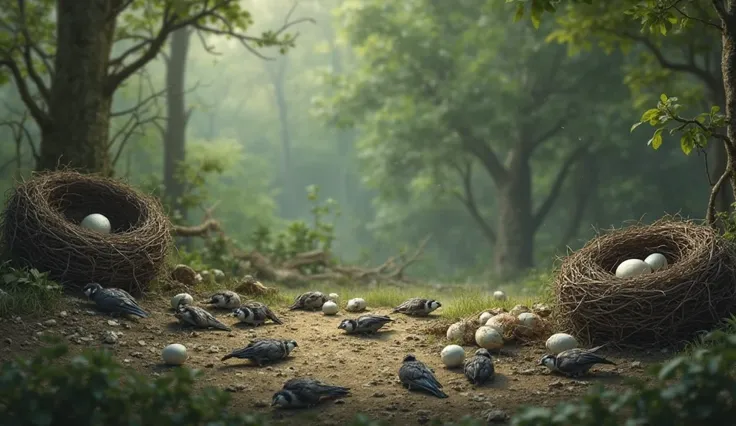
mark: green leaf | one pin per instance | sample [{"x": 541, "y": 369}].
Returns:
[
  {"x": 656, "y": 140},
  {"x": 715, "y": 109},
  {"x": 649, "y": 114},
  {"x": 663, "y": 97},
  {"x": 635, "y": 126},
  {"x": 519, "y": 12},
  {"x": 687, "y": 144}
]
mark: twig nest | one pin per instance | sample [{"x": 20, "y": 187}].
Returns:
[
  {"x": 496, "y": 311},
  {"x": 181, "y": 298},
  {"x": 632, "y": 268},
  {"x": 334, "y": 297},
  {"x": 529, "y": 324},
  {"x": 329, "y": 308},
  {"x": 504, "y": 323},
  {"x": 656, "y": 261},
  {"x": 499, "y": 295},
  {"x": 542, "y": 310},
  {"x": 97, "y": 222},
  {"x": 174, "y": 354},
  {"x": 488, "y": 338},
  {"x": 184, "y": 274},
  {"x": 219, "y": 275},
  {"x": 452, "y": 356},
  {"x": 484, "y": 317},
  {"x": 518, "y": 309},
  {"x": 356, "y": 305},
  {"x": 560, "y": 342}
]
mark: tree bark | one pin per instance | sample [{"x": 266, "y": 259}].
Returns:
[
  {"x": 177, "y": 118},
  {"x": 514, "y": 245},
  {"x": 279, "y": 93},
  {"x": 728, "y": 68},
  {"x": 77, "y": 131}
]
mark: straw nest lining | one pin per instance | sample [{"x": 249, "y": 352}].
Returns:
[
  {"x": 40, "y": 227},
  {"x": 693, "y": 294}
]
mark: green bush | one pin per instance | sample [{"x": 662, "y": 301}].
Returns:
[{"x": 26, "y": 291}]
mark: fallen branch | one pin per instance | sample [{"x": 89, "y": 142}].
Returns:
[{"x": 203, "y": 230}]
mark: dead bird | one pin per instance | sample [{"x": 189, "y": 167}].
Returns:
[
  {"x": 417, "y": 307},
  {"x": 225, "y": 299},
  {"x": 479, "y": 369},
  {"x": 574, "y": 362},
  {"x": 364, "y": 324},
  {"x": 263, "y": 351},
  {"x": 114, "y": 300},
  {"x": 413, "y": 374},
  {"x": 306, "y": 392},
  {"x": 309, "y": 301},
  {"x": 198, "y": 317}
]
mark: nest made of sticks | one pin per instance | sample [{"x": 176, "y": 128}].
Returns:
[
  {"x": 40, "y": 228},
  {"x": 693, "y": 294}
]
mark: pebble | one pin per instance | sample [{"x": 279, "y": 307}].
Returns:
[
  {"x": 49, "y": 323},
  {"x": 110, "y": 337}
]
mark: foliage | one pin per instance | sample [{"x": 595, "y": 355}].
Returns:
[
  {"x": 300, "y": 236},
  {"x": 26, "y": 291},
  {"x": 93, "y": 389}
]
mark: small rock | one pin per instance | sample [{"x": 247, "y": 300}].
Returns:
[
  {"x": 110, "y": 337},
  {"x": 636, "y": 365},
  {"x": 184, "y": 274},
  {"x": 49, "y": 323},
  {"x": 142, "y": 342},
  {"x": 495, "y": 416},
  {"x": 8, "y": 341},
  {"x": 378, "y": 395},
  {"x": 260, "y": 404},
  {"x": 113, "y": 323},
  {"x": 63, "y": 314},
  {"x": 213, "y": 350},
  {"x": 235, "y": 388}
]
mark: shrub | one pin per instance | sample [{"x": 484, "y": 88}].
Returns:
[
  {"x": 26, "y": 291},
  {"x": 93, "y": 389}
]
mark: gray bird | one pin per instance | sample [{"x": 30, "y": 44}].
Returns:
[
  {"x": 574, "y": 362},
  {"x": 413, "y": 374},
  {"x": 262, "y": 351},
  {"x": 309, "y": 301},
  {"x": 225, "y": 299},
  {"x": 417, "y": 307},
  {"x": 479, "y": 369},
  {"x": 255, "y": 313},
  {"x": 114, "y": 300},
  {"x": 198, "y": 317},
  {"x": 364, "y": 324},
  {"x": 306, "y": 392}
]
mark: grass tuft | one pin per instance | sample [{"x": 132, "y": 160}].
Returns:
[{"x": 26, "y": 292}]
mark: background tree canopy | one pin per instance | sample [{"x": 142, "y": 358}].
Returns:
[{"x": 503, "y": 141}]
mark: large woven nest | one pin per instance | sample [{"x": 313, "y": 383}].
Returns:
[
  {"x": 669, "y": 306},
  {"x": 40, "y": 229}
]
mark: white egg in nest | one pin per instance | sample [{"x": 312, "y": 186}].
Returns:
[
  {"x": 174, "y": 354},
  {"x": 488, "y": 338},
  {"x": 355, "y": 305},
  {"x": 559, "y": 342},
  {"x": 499, "y": 295},
  {"x": 329, "y": 308},
  {"x": 656, "y": 261},
  {"x": 452, "y": 356},
  {"x": 183, "y": 298},
  {"x": 97, "y": 222},
  {"x": 484, "y": 317},
  {"x": 632, "y": 268}
]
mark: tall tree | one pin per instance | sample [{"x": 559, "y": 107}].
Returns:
[
  {"x": 445, "y": 88},
  {"x": 59, "y": 56}
]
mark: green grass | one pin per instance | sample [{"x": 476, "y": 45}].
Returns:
[
  {"x": 727, "y": 326},
  {"x": 26, "y": 292}
]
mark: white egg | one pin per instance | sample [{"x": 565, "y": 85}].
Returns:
[
  {"x": 499, "y": 295},
  {"x": 529, "y": 323},
  {"x": 185, "y": 299},
  {"x": 488, "y": 338},
  {"x": 218, "y": 274},
  {"x": 329, "y": 308},
  {"x": 334, "y": 297},
  {"x": 452, "y": 355},
  {"x": 174, "y": 354},
  {"x": 560, "y": 342},
  {"x": 455, "y": 331},
  {"x": 355, "y": 305},
  {"x": 97, "y": 222},
  {"x": 484, "y": 317},
  {"x": 632, "y": 268},
  {"x": 656, "y": 261}
]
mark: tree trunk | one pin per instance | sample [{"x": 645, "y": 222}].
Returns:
[
  {"x": 514, "y": 247},
  {"x": 728, "y": 67},
  {"x": 177, "y": 118},
  {"x": 288, "y": 198},
  {"x": 79, "y": 106}
]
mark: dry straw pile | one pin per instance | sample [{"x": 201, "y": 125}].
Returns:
[
  {"x": 40, "y": 228},
  {"x": 694, "y": 294}
]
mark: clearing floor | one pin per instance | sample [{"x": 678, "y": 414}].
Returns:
[{"x": 368, "y": 365}]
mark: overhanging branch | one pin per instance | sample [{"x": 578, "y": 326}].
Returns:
[
  {"x": 468, "y": 199},
  {"x": 480, "y": 149}
]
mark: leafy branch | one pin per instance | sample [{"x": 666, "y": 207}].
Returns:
[{"x": 694, "y": 134}]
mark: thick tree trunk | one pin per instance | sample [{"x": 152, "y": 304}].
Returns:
[
  {"x": 514, "y": 248},
  {"x": 177, "y": 118},
  {"x": 79, "y": 107},
  {"x": 728, "y": 67},
  {"x": 289, "y": 196}
]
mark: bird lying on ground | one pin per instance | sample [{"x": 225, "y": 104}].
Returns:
[
  {"x": 417, "y": 307},
  {"x": 364, "y": 324},
  {"x": 198, "y": 317},
  {"x": 413, "y": 374},
  {"x": 306, "y": 392},
  {"x": 255, "y": 313},
  {"x": 114, "y": 300},
  {"x": 574, "y": 362},
  {"x": 225, "y": 299},
  {"x": 479, "y": 369},
  {"x": 263, "y": 351},
  {"x": 309, "y": 301}
]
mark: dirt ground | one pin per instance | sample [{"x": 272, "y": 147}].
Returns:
[{"x": 368, "y": 365}]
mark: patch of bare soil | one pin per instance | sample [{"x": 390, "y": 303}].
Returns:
[{"x": 368, "y": 365}]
